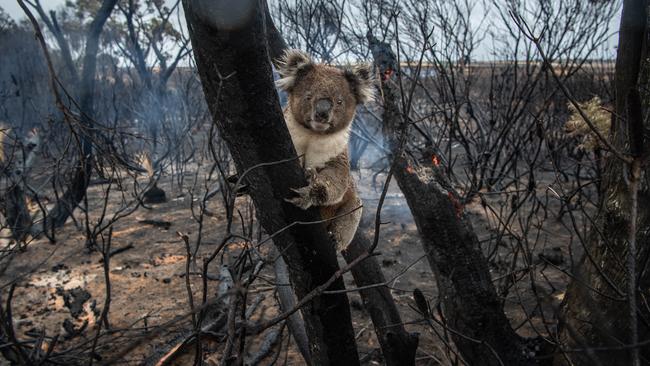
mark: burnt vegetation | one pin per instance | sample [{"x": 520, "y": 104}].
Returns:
[{"x": 503, "y": 169}]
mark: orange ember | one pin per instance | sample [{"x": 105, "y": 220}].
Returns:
[
  {"x": 387, "y": 74},
  {"x": 435, "y": 160}
]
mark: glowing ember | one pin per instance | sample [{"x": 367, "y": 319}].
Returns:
[
  {"x": 387, "y": 74},
  {"x": 435, "y": 160}
]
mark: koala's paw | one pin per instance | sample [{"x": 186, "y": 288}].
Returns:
[
  {"x": 303, "y": 198},
  {"x": 337, "y": 240}
]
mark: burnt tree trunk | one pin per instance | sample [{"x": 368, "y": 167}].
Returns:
[
  {"x": 595, "y": 316},
  {"x": 230, "y": 45},
  {"x": 473, "y": 311}
]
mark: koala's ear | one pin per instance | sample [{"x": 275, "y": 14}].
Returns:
[
  {"x": 290, "y": 66},
  {"x": 362, "y": 80}
]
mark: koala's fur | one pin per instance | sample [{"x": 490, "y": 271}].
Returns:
[{"x": 321, "y": 107}]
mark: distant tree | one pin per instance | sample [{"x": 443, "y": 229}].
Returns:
[
  {"x": 146, "y": 37},
  {"x": 6, "y": 22}
]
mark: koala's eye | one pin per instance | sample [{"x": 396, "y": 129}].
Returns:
[
  {"x": 308, "y": 97},
  {"x": 339, "y": 101}
]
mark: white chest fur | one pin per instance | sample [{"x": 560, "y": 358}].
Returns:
[{"x": 316, "y": 149}]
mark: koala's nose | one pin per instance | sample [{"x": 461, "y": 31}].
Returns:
[{"x": 323, "y": 107}]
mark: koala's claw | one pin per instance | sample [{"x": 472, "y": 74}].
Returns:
[
  {"x": 303, "y": 200},
  {"x": 310, "y": 174},
  {"x": 337, "y": 240},
  {"x": 333, "y": 237}
]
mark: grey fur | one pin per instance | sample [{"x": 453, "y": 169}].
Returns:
[{"x": 325, "y": 150}]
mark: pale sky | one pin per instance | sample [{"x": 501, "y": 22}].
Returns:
[{"x": 13, "y": 9}]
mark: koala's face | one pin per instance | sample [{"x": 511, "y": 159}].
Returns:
[{"x": 323, "y": 98}]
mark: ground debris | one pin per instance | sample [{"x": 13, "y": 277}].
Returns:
[
  {"x": 72, "y": 331},
  {"x": 165, "y": 225},
  {"x": 74, "y": 299}
]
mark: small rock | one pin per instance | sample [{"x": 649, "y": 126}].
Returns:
[{"x": 167, "y": 280}]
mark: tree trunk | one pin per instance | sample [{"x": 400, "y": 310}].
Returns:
[
  {"x": 230, "y": 46},
  {"x": 595, "y": 315},
  {"x": 64, "y": 47},
  {"x": 474, "y": 313}
]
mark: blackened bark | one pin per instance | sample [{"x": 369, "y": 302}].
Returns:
[
  {"x": 81, "y": 177},
  {"x": 276, "y": 42},
  {"x": 595, "y": 315},
  {"x": 631, "y": 47},
  {"x": 473, "y": 312},
  {"x": 397, "y": 345},
  {"x": 230, "y": 46}
]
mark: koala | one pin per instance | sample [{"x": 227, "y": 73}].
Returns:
[{"x": 321, "y": 105}]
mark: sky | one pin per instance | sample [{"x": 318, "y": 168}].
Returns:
[
  {"x": 482, "y": 52},
  {"x": 12, "y": 8}
]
